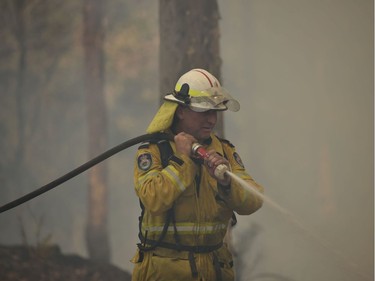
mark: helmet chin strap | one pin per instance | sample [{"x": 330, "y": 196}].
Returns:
[{"x": 84, "y": 167}]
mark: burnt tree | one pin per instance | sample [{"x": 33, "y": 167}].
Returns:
[
  {"x": 93, "y": 36},
  {"x": 189, "y": 38}
]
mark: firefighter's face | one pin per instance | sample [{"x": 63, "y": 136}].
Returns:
[{"x": 198, "y": 124}]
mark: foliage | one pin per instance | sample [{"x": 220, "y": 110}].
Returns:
[{"x": 41, "y": 242}]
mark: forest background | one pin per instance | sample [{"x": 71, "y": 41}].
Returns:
[{"x": 303, "y": 72}]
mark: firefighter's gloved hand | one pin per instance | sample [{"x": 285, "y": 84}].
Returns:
[
  {"x": 217, "y": 165},
  {"x": 184, "y": 142}
]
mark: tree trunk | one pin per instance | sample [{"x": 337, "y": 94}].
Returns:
[
  {"x": 189, "y": 38},
  {"x": 93, "y": 37},
  {"x": 19, "y": 7}
]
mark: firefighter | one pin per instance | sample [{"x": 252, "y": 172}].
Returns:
[{"x": 185, "y": 205}]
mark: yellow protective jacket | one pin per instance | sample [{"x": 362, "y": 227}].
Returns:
[{"x": 198, "y": 211}]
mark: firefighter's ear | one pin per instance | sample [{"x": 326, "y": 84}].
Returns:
[{"x": 180, "y": 112}]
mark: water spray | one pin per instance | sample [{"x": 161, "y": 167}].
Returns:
[{"x": 222, "y": 170}]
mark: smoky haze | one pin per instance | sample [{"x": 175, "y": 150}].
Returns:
[{"x": 303, "y": 73}]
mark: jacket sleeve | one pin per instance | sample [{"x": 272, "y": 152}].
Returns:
[
  {"x": 159, "y": 187},
  {"x": 243, "y": 200}
]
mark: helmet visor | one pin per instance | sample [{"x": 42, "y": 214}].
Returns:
[{"x": 215, "y": 98}]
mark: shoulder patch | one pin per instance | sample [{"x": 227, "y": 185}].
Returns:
[
  {"x": 144, "y": 161},
  {"x": 238, "y": 159}
]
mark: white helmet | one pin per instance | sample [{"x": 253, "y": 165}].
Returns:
[{"x": 201, "y": 91}]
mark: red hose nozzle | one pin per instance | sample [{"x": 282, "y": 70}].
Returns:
[{"x": 198, "y": 150}]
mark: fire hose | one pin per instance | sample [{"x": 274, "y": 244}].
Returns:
[{"x": 82, "y": 168}]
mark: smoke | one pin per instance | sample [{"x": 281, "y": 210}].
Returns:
[
  {"x": 303, "y": 74},
  {"x": 302, "y": 71}
]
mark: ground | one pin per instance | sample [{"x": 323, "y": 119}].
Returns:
[{"x": 22, "y": 263}]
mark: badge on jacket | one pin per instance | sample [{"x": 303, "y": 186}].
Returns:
[{"x": 144, "y": 161}]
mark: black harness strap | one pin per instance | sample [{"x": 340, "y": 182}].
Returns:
[
  {"x": 166, "y": 152},
  {"x": 234, "y": 218},
  {"x": 195, "y": 249},
  {"x": 217, "y": 268},
  {"x": 142, "y": 246},
  {"x": 193, "y": 265}
]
